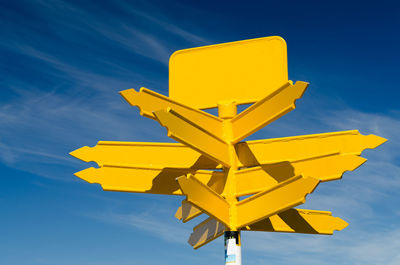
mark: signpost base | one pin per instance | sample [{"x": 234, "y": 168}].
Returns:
[{"x": 233, "y": 251}]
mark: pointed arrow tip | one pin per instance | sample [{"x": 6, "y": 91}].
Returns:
[
  {"x": 160, "y": 116},
  {"x": 129, "y": 95},
  {"x": 81, "y": 153},
  {"x": 127, "y": 92},
  {"x": 87, "y": 175},
  {"x": 375, "y": 141},
  {"x": 178, "y": 214},
  {"x": 301, "y": 87},
  {"x": 122, "y": 92},
  {"x": 356, "y": 162},
  {"x": 341, "y": 224}
]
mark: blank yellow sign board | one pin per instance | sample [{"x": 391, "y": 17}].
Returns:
[{"x": 241, "y": 71}]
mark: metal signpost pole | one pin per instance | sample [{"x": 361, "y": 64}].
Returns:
[{"x": 233, "y": 250}]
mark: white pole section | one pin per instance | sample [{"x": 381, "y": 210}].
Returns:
[{"x": 233, "y": 251}]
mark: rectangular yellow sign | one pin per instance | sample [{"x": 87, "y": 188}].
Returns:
[{"x": 241, "y": 71}]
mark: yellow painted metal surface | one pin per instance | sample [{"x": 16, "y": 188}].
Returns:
[
  {"x": 187, "y": 212},
  {"x": 205, "y": 232},
  {"x": 142, "y": 154},
  {"x": 300, "y": 221},
  {"x": 205, "y": 198},
  {"x": 252, "y": 153},
  {"x": 188, "y": 132},
  {"x": 324, "y": 168},
  {"x": 149, "y": 101},
  {"x": 289, "y": 221},
  {"x": 282, "y": 197},
  {"x": 143, "y": 180},
  {"x": 273, "y": 106},
  {"x": 210, "y": 165},
  {"x": 203, "y": 76},
  {"x": 327, "y": 168},
  {"x": 147, "y": 179}
]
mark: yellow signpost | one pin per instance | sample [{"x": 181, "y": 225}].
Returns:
[{"x": 211, "y": 165}]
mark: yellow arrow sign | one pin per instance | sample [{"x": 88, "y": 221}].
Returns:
[
  {"x": 149, "y": 101},
  {"x": 279, "y": 198},
  {"x": 290, "y": 221},
  {"x": 189, "y": 133},
  {"x": 327, "y": 168},
  {"x": 205, "y": 198},
  {"x": 300, "y": 221},
  {"x": 282, "y": 197},
  {"x": 187, "y": 212},
  {"x": 268, "y": 109},
  {"x": 253, "y": 153},
  {"x": 147, "y": 179},
  {"x": 135, "y": 153},
  {"x": 205, "y": 232},
  {"x": 324, "y": 168}
]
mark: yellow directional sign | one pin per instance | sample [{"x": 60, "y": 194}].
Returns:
[
  {"x": 149, "y": 101},
  {"x": 205, "y": 232},
  {"x": 252, "y": 153},
  {"x": 290, "y": 221},
  {"x": 191, "y": 134},
  {"x": 187, "y": 211},
  {"x": 282, "y": 197},
  {"x": 147, "y": 179},
  {"x": 300, "y": 221},
  {"x": 201, "y": 77},
  {"x": 273, "y": 106},
  {"x": 142, "y": 154},
  {"x": 325, "y": 168},
  {"x": 205, "y": 198},
  {"x": 211, "y": 165}
]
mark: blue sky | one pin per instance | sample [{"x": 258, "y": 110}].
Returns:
[{"x": 63, "y": 63}]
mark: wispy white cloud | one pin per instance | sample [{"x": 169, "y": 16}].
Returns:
[
  {"x": 58, "y": 119},
  {"x": 42, "y": 128},
  {"x": 83, "y": 106},
  {"x": 73, "y": 74},
  {"x": 369, "y": 247},
  {"x": 152, "y": 223},
  {"x": 153, "y": 43},
  {"x": 166, "y": 25}
]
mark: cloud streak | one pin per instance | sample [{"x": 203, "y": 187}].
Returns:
[{"x": 150, "y": 223}]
